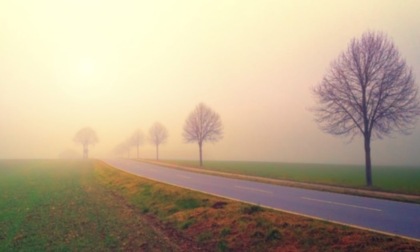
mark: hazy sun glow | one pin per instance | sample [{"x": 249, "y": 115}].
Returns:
[
  {"x": 83, "y": 80},
  {"x": 87, "y": 67},
  {"x": 121, "y": 65}
]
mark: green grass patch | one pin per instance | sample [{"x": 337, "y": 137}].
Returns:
[
  {"x": 222, "y": 246},
  {"x": 51, "y": 205},
  {"x": 187, "y": 203},
  {"x": 186, "y": 224},
  {"x": 400, "y": 179}
]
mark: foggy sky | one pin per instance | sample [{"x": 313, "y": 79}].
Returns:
[{"x": 121, "y": 65}]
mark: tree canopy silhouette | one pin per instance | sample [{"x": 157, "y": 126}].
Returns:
[
  {"x": 158, "y": 135},
  {"x": 369, "y": 90},
  {"x": 203, "y": 125},
  {"x": 136, "y": 140},
  {"x": 86, "y": 136}
]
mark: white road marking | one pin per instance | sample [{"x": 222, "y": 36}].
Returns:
[
  {"x": 253, "y": 189},
  {"x": 342, "y": 204}
]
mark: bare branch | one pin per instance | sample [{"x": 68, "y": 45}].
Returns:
[
  {"x": 203, "y": 125},
  {"x": 86, "y": 136},
  {"x": 158, "y": 134},
  {"x": 368, "y": 90}
]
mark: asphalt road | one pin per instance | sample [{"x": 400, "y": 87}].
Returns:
[{"x": 393, "y": 217}]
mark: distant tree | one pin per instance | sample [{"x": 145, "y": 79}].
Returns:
[
  {"x": 370, "y": 91},
  {"x": 203, "y": 125},
  {"x": 86, "y": 136},
  {"x": 136, "y": 140},
  {"x": 158, "y": 135}
]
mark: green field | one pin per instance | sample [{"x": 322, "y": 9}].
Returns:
[
  {"x": 54, "y": 205},
  {"x": 387, "y": 178},
  {"x": 70, "y": 205}
]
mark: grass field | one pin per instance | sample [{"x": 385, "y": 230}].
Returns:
[
  {"x": 386, "y": 178},
  {"x": 49, "y": 205},
  {"x": 60, "y": 206}
]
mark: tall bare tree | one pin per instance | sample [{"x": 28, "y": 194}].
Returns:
[
  {"x": 136, "y": 140},
  {"x": 369, "y": 90},
  {"x": 86, "y": 136},
  {"x": 203, "y": 125},
  {"x": 158, "y": 135}
]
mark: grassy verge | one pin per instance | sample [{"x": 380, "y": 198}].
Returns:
[
  {"x": 218, "y": 224},
  {"x": 386, "y": 178},
  {"x": 89, "y": 206}
]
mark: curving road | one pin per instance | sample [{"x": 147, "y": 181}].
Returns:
[{"x": 386, "y": 216}]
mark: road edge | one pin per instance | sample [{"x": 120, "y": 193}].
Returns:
[{"x": 272, "y": 208}]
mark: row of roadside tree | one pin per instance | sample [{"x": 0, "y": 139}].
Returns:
[
  {"x": 202, "y": 125},
  {"x": 158, "y": 134},
  {"x": 368, "y": 91}
]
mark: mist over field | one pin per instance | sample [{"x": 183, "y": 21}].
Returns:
[{"x": 121, "y": 66}]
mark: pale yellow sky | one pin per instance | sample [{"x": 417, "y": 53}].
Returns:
[{"x": 121, "y": 65}]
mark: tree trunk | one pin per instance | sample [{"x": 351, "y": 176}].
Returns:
[
  {"x": 137, "y": 151},
  {"x": 201, "y": 153},
  {"x": 157, "y": 151},
  {"x": 368, "y": 162},
  {"x": 85, "y": 152},
  {"x": 366, "y": 137}
]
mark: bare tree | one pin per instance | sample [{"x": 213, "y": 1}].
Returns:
[
  {"x": 86, "y": 136},
  {"x": 370, "y": 91},
  {"x": 158, "y": 135},
  {"x": 136, "y": 140},
  {"x": 203, "y": 125}
]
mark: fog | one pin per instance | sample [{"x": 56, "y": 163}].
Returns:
[{"x": 117, "y": 66}]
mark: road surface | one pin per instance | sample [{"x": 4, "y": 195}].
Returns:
[{"x": 386, "y": 216}]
